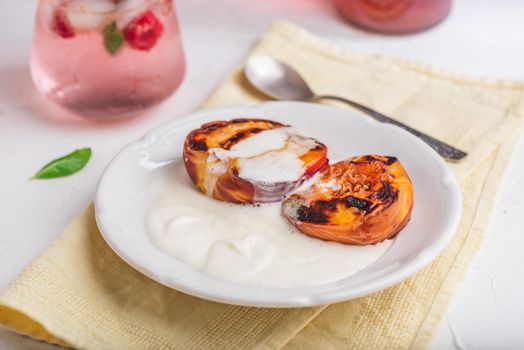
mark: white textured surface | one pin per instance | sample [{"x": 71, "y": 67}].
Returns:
[{"x": 481, "y": 37}]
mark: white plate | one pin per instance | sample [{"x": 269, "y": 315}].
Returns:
[{"x": 123, "y": 198}]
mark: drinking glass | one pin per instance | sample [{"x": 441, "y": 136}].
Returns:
[
  {"x": 107, "y": 59},
  {"x": 394, "y": 16}
]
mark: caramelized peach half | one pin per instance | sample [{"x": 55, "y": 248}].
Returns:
[
  {"x": 361, "y": 200},
  {"x": 250, "y": 160}
]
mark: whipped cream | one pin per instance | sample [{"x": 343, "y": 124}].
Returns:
[{"x": 269, "y": 156}]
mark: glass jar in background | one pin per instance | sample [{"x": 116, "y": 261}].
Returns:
[
  {"x": 394, "y": 16},
  {"x": 107, "y": 59}
]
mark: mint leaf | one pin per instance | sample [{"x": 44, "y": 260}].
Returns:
[
  {"x": 64, "y": 166},
  {"x": 113, "y": 39}
]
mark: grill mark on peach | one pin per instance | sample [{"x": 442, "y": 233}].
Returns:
[
  {"x": 391, "y": 160},
  {"x": 358, "y": 203},
  {"x": 308, "y": 214},
  {"x": 202, "y": 139},
  {"x": 239, "y": 136},
  {"x": 386, "y": 194},
  {"x": 247, "y": 120},
  {"x": 319, "y": 211},
  {"x": 198, "y": 145}
]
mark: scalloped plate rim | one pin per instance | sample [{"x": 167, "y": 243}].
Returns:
[{"x": 275, "y": 297}]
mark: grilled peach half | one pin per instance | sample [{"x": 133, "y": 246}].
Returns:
[
  {"x": 362, "y": 200},
  {"x": 250, "y": 160}
]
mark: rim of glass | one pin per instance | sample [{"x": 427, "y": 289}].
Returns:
[{"x": 143, "y": 3}]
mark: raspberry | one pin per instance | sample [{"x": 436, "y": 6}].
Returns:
[
  {"x": 143, "y": 32},
  {"x": 61, "y": 25}
]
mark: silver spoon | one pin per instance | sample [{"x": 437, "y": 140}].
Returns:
[{"x": 281, "y": 82}]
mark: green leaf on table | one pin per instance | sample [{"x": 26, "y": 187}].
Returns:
[
  {"x": 64, "y": 166},
  {"x": 113, "y": 39}
]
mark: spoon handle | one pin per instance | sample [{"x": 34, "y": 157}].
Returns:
[{"x": 447, "y": 152}]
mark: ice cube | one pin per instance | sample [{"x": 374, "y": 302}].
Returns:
[
  {"x": 129, "y": 10},
  {"x": 126, "y": 5},
  {"x": 90, "y": 14},
  {"x": 93, "y": 6}
]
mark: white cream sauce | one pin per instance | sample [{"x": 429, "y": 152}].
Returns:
[
  {"x": 251, "y": 245},
  {"x": 269, "y": 156}
]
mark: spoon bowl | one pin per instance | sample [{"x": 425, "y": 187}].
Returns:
[{"x": 277, "y": 79}]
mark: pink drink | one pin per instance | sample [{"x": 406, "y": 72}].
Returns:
[
  {"x": 394, "y": 16},
  {"x": 107, "y": 59}
]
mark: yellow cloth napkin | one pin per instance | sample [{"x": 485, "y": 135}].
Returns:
[{"x": 78, "y": 293}]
